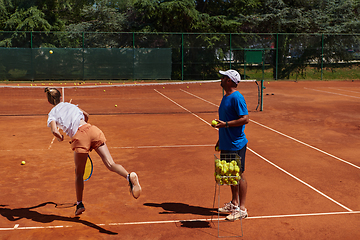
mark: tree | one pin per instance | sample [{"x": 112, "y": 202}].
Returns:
[
  {"x": 228, "y": 8},
  {"x": 6, "y": 7},
  {"x": 100, "y": 17},
  {"x": 300, "y": 16}
]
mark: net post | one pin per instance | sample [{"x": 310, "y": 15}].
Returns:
[{"x": 262, "y": 94}]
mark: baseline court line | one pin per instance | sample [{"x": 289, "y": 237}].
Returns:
[{"x": 181, "y": 221}]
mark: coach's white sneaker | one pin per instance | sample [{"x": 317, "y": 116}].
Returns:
[
  {"x": 237, "y": 214},
  {"x": 135, "y": 187},
  {"x": 227, "y": 208}
]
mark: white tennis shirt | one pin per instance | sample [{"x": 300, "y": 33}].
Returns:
[{"x": 67, "y": 117}]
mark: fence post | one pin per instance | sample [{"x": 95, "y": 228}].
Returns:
[
  {"x": 182, "y": 56},
  {"x": 83, "y": 55},
  {"x": 133, "y": 40},
  {"x": 277, "y": 56},
  {"x": 32, "y": 57},
  {"x": 230, "y": 51},
  {"x": 322, "y": 55}
]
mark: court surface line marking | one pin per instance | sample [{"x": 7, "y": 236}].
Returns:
[
  {"x": 331, "y": 92},
  {"x": 317, "y": 149},
  {"x": 17, "y": 226},
  {"x": 294, "y": 139},
  {"x": 293, "y": 176},
  {"x": 182, "y": 107},
  {"x": 301, "y": 181},
  {"x": 343, "y": 90},
  {"x": 168, "y": 146},
  {"x": 129, "y": 147}
]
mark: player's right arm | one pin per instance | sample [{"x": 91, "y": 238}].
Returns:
[
  {"x": 86, "y": 115},
  {"x": 55, "y": 131}
]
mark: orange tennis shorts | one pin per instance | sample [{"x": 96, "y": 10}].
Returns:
[{"x": 87, "y": 138}]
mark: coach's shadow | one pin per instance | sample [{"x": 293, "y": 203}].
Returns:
[
  {"x": 20, "y": 213},
  {"x": 182, "y": 208}
]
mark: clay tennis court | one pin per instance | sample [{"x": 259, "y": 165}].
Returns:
[{"x": 302, "y": 163}]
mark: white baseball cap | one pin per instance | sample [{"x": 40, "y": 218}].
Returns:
[{"x": 232, "y": 74}]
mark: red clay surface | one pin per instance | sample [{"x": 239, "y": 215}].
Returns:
[{"x": 302, "y": 164}]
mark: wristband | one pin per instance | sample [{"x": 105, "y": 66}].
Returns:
[{"x": 227, "y": 125}]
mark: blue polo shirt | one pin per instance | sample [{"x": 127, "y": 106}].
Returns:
[{"x": 231, "y": 108}]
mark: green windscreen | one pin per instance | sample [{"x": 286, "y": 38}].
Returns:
[{"x": 85, "y": 63}]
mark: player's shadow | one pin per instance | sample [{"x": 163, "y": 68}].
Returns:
[
  {"x": 16, "y": 214},
  {"x": 182, "y": 208}
]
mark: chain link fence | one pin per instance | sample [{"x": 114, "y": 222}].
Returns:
[{"x": 177, "y": 56}]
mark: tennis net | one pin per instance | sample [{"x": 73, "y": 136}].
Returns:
[{"x": 115, "y": 98}]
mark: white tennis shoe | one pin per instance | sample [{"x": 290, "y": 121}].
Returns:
[
  {"x": 135, "y": 187},
  {"x": 237, "y": 214}
]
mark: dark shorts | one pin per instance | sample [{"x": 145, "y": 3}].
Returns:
[{"x": 241, "y": 153}]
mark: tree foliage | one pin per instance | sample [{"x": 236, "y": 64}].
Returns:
[{"x": 287, "y": 17}]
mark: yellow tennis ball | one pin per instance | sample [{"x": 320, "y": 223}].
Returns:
[
  {"x": 115, "y": 105},
  {"x": 23, "y": 163},
  {"x": 214, "y": 123},
  {"x": 51, "y": 51}
]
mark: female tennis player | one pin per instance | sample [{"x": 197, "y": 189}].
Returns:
[{"x": 84, "y": 138}]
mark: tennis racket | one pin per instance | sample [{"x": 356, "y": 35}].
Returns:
[{"x": 88, "y": 169}]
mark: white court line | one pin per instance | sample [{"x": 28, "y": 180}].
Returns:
[
  {"x": 168, "y": 146},
  {"x": 294, "y": 139},
  {"x": 343, "y": 90},
  {"x": 317, "y": 149},
  {"x": 301, "y": 181},
  {"x": 331, "y": 92},
  {"x": 199, "y": 98},
  {"x": 182, "y": 107},
  {"x": 185, "y": 220},
  {"x": 118, "y": 85},
  {"x": 129, "y": 147}
]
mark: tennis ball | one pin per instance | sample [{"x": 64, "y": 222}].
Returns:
[
  {"x": 115, "y": 105},
  {"x": 23, "y": 163},
  {"x": 217, "y": 178},
  {"x": 217, "y": 148},
  {"x": 51, "y": 51},
  {"x": 214, "y": 123}
]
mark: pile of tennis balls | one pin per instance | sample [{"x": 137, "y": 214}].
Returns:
[{"x": 227, "y": 173}]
